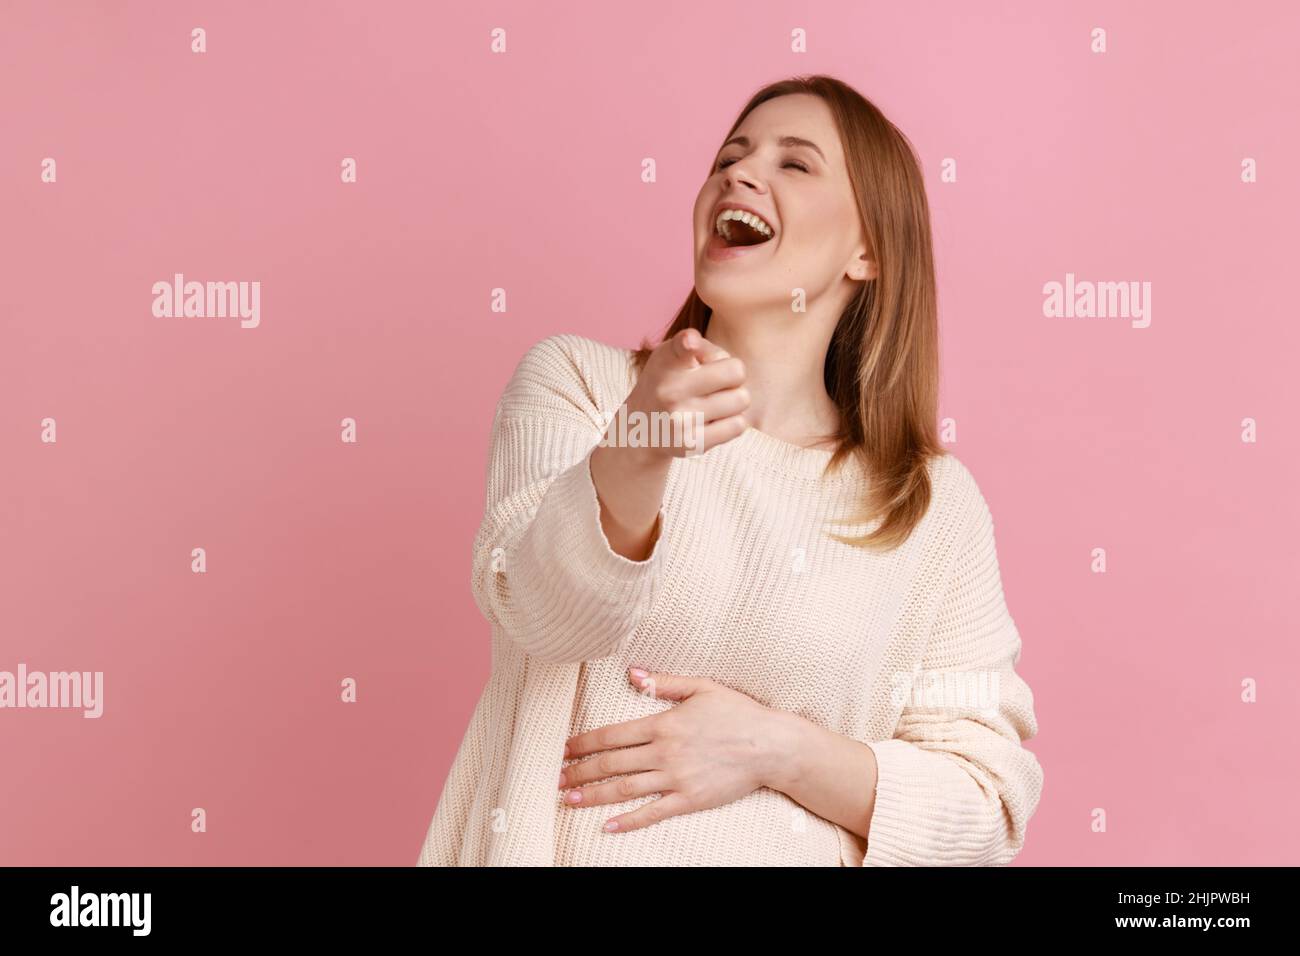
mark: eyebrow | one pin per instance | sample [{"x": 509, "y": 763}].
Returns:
[{"x": 783, "y": 141}]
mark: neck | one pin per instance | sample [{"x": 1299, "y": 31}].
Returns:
[{"x": 784, "y": 374}]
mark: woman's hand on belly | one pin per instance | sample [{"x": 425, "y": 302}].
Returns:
[{"x": 716, "y": 746}]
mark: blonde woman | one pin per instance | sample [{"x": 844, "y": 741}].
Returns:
[{"x": 792, "y": 648}]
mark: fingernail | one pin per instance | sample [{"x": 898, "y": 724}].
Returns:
[
  {"x": 638, "y": 673},
  {"x": 611, "y": 825},
  {"x": 574, "y": 796}
]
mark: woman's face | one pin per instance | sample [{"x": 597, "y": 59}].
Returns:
[{"x": 785, "y": 163}]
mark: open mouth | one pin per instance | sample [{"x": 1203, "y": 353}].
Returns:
[{"x": 740, "y": 228}]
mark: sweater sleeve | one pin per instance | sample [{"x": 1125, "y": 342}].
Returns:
[
  {"x": 954, "y": 786},
  {"x": 543, "y": 570}
]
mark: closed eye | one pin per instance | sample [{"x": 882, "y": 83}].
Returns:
[{"x": 723, "y": 164}]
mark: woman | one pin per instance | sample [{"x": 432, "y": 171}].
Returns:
[{"x": 793, "y": 647}]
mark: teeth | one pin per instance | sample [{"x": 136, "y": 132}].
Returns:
[{"x": 748, "y": 218}]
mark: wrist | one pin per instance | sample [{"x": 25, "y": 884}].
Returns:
[
  {"x": 632, "y": 462},
  {"x": 786, "y": 742},
  {"x": 629, "y": 498}
]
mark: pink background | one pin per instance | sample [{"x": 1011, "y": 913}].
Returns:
[{"x": 328, "y": 560}]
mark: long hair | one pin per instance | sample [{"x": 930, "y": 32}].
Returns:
[{"x": 882, "y": 364}]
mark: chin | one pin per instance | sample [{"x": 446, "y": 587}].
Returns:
[{"x": 734, "y": 298}]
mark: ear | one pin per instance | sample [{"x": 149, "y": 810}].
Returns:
[{"x": 863, "y": 268}]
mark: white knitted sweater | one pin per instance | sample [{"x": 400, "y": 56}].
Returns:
[{"x": 745, "y": 588}]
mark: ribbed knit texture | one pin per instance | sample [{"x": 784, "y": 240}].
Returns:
[{"x": 743, "y": 587}]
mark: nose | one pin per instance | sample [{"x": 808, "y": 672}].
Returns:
[
  {"x": 733, "y": 176},
  {"x": 738, "y": 172}
]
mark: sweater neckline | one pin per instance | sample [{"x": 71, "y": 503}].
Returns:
[
  {"x": 786, "y": 456},
  {"x": 766, "y": 449}
]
